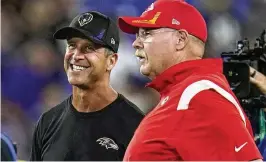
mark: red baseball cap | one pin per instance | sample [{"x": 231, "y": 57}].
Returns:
[{"x": 175, "y": 14}]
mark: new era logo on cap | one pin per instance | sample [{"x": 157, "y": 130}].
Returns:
[
  {"x": 95, "y": 26},
  {"x": 112, "y": 41},
  {"x": 174, "y": 21}
]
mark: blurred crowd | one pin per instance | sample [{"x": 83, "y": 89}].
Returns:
[{"x": 32, "y": 75}]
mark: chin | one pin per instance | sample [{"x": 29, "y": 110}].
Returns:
[
  {"x": 74, "y": 81},
  {"x": 79, "y": 85},
  {"x": 144, "y": 71}
]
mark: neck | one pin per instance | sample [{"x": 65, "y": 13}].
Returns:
[
  {"x": 173, "y": 61},
  {"x": 93, "y": 99}
]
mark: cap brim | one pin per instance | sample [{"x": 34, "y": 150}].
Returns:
[
  {"x": 70, "y": 32},
  {"x": 131, "y": 25}
]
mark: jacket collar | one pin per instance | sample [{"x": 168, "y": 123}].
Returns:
[{"x": 181, "y": 71}]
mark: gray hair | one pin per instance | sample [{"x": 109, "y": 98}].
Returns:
[
  {"x": 108, "y": 52},
  {"x": 197, "y": 40},
  {"x": 194, "y": 39}
]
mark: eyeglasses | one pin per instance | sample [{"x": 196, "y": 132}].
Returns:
[{"x": 144, "y": 34}]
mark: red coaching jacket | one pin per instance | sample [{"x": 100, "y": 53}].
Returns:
[{"x": 197, "y": 118}]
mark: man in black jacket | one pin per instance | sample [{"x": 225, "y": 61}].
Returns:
[{"x": 95, "y": 122}]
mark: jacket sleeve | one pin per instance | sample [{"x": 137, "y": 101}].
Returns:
[{"x": 213, "y": 129}]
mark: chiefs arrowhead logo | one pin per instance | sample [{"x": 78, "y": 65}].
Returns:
[
  {"x": 107, "y": 143},
  {"x": 151, "y": 7}
]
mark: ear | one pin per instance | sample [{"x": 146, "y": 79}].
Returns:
[
  {"x": 182, "y": 40},
  {"x": 111, "y": 61}
]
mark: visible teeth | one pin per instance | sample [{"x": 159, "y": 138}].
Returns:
[{"x": 78, "y": 68}]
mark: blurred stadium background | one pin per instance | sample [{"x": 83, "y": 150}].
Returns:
[{"x": 32, "y": 75}]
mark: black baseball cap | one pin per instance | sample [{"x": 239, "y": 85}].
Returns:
[{"x": 93, "y": 25}]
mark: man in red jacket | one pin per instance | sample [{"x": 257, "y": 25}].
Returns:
[{"x": 198, "y": 116}]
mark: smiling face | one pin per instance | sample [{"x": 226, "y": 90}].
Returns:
[{"x": 86, "y": 63}]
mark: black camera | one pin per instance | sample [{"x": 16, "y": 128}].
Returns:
[{"x": 236, "y": 69}]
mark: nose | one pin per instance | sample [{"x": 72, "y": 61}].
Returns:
[
  {"x": 77, "y": 55},
  {"x": 137, "y": 44}
]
